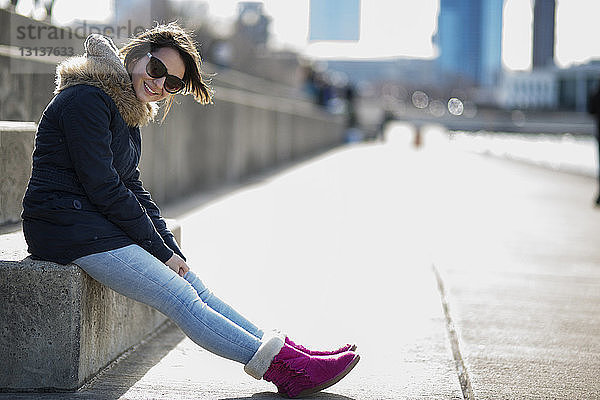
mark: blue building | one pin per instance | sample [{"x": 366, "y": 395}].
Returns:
[{"x": 469, "y": 40}]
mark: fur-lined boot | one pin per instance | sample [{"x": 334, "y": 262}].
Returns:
[{"x": 295, "y": 373}]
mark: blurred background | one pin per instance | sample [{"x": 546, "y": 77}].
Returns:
[
  {"x": 525, "y": 67},
  {"x": 427, "y": 59}
]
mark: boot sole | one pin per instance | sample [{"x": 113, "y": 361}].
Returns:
[{"x": 330, "y": 382}]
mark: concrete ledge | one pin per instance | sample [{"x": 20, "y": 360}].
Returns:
[{"x": 59, "y": 326}]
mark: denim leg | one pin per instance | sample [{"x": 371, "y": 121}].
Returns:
[
  {"x": 135, "y": 273},
  {"x": 220, "y": 306}
]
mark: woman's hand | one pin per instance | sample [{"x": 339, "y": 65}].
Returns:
[{"x": 177, "y": 264}]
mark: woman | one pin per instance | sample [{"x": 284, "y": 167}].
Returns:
[{"x": 85, "y": 203}]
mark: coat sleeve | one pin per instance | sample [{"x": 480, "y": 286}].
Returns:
[
  {"x": 85, "y": 122},
  {"x": 134, "y": 184}
]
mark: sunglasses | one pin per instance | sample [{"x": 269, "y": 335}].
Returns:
[{"x": 156, "y": 69}]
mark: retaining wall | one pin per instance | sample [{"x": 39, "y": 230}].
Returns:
[
  {"x": 59, "y": 326},
  {"x": 243, "y": 133},
  {"x": 16, "y": 146},
  {"x": 198, "y": 147}
]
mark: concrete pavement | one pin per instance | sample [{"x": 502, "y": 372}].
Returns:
[
  {"x": 520, "y": 265},
  {"x": 446, "y": 268}
]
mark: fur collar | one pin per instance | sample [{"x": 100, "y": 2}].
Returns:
[{"x": 101, "y": 66}]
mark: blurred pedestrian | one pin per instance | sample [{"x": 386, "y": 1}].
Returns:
[
  {"x": 388, "y": 117},
  {"x": 593, "y": 107},
  {"x": 350, "y": 97},
  {"x": 85, "y": 203}
]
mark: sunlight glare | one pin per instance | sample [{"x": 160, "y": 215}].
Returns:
[
  {"x": 66, "y": 11},
  {"x": 517, "y": 34}
]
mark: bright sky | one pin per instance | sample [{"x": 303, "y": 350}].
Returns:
[
  {"x": 395, "y": 28},
  {"x": 388, "y": 29}
]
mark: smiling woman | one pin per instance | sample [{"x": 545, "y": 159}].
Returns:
[
  {"x": 171, "y": 48},
  {"x": 85, "y": 203}
]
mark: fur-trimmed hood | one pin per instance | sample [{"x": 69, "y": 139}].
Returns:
[{"x": 102, "y": 67}]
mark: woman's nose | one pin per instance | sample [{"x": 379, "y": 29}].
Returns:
[{"x": 159, "y": 82}]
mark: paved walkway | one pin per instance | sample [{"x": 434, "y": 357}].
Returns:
[{"x": 458, "y": 276}]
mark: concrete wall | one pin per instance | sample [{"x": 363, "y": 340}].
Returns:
[
  {"x": 16, "y": 146},
  {"x": 197, "y": 148},
  {"x": 200, "y": 147},
  {"x": 59, "y": 326},
  {"x": 23, "y": 96},
  {"x": 254, "y": 124}
]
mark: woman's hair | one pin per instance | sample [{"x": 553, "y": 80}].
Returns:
[{"x": 175, "y": 37}]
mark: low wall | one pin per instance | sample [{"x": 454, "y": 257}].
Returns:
[
  {"x": 198, "y": 147},
  {"x": 59, "y": 326},
  {"x": 242, "y": 133},
  {"x": 16, "y": 146}
]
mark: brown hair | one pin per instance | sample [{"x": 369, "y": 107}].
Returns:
[{"x": 175, "y": 37}]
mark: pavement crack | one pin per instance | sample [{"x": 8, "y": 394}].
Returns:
[{"x": 463, "y": 375}]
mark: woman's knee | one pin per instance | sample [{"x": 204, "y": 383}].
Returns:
[
  {"x": 179, "y": 295},
  {"x": 203, "y": 292}
]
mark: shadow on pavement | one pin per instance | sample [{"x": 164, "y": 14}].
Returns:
[{"x": 116, "y": 380}]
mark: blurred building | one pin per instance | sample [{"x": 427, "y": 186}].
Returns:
[
  {"x": 566, "y": 89},
  {"x": 188, "y": 13},
  {"x": 401, "y": 70},
  {"x": 529, "y": 90},
  {"x": 575, "y": 85},
  {"x": 252, "y": 23},
  {"x": 469, "y": 40},
  {"x": 543, "y": 33},
  {"x": 135, "y": 12}
]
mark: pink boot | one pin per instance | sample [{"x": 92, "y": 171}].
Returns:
[
  {"x": 343, "y": 349},
  {"x": 297, "y": 374}
]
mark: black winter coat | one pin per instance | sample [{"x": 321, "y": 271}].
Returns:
[{"x": 85, "y": 195}]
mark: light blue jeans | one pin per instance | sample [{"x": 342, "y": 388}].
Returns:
[{"x": 207, "y": 320}]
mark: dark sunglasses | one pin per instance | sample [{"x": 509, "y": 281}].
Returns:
[{"x": 156, "y": 69}]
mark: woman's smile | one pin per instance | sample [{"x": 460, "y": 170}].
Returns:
[{"x": 150, "y": 91}]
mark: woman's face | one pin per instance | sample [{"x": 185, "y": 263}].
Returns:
[{"x": 149, "y": 89}]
